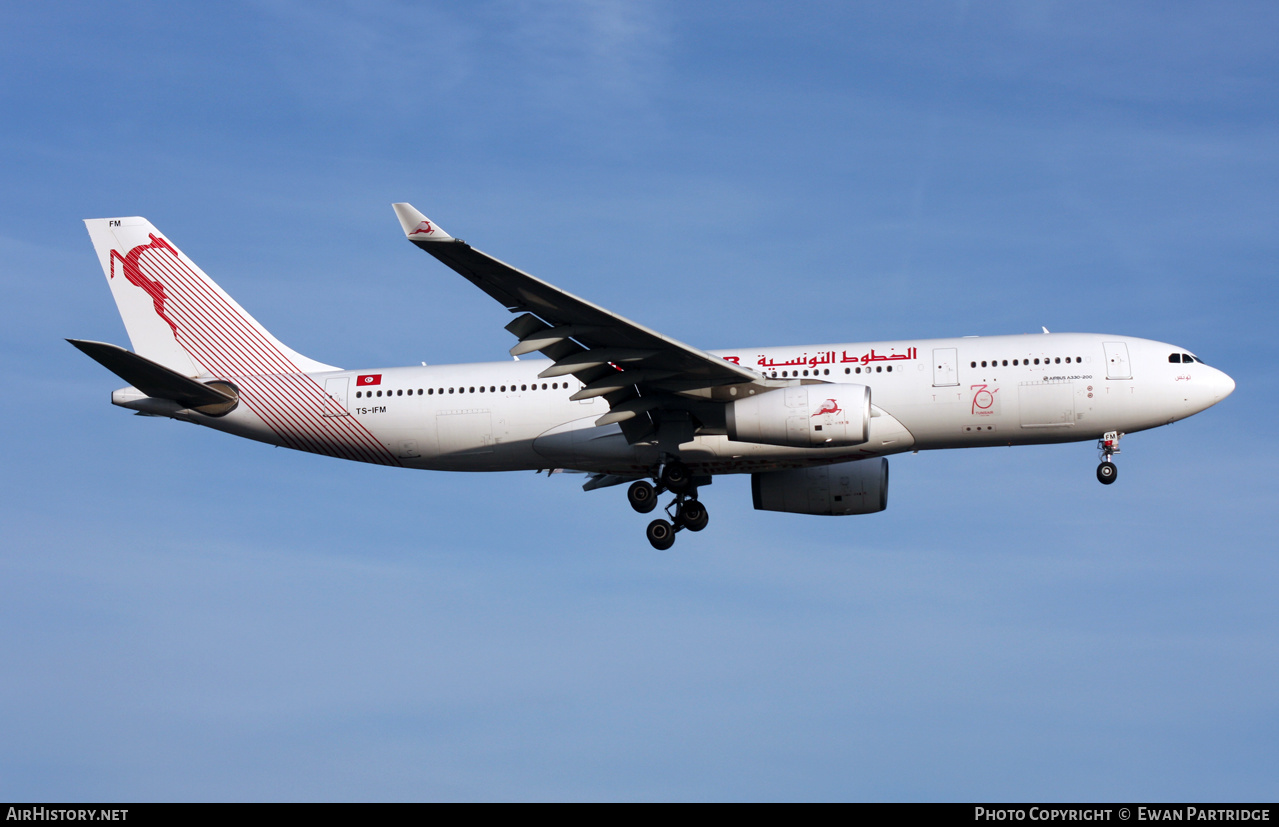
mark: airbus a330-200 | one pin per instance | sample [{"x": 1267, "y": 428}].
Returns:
[{"x": 812, "y": 424}]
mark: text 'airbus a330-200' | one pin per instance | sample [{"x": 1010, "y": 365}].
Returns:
[{"x": 811, "y": 424}]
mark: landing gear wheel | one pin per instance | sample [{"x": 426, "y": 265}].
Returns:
[
  {"x": 1107, "y": 472},
  {"x": 643, "y": 496},
  {"x": 693, "y": 515},
  {"x": 676, "y": 477},
  {"x": 661, "y": 534}
]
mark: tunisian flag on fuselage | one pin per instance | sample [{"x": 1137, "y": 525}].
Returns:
[{"x": 368, "y": 379}]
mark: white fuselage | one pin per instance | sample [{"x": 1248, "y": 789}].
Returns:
[{"x": 926, "y": 394}]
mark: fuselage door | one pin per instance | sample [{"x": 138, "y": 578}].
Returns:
[
  {"x": 1117, "y": 364},
  {"x": 336, "y": 389},
  {"x": 945, "y": 367}
]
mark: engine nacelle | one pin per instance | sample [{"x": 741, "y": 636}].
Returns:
[
  {"x": 857, "y": 487},
  {"x": 803, "y": 416}
]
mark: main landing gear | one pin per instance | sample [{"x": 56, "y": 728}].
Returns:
[
  {"x": 1108, "y": 445},
  {"x": 685, "y": 511}
]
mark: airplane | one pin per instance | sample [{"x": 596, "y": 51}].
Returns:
[{"x": 812, "y": 424}]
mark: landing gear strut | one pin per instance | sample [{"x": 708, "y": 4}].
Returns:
[
  {"x": 685, "y": 511},
  {"x": 1108, "y": 445}
]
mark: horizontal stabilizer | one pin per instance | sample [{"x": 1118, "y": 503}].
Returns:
[{"x": 151, "y": 378}]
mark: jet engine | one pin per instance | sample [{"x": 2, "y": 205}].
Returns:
[
  {"x": 804, "y": 416},
  {"x": 857, "y": 487}
]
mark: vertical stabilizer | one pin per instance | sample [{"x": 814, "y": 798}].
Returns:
[{"x": 176, "y": 315}]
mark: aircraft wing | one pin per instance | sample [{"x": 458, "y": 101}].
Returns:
[{"x": 636, "y": 369}]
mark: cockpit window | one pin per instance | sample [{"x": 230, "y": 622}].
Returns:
[
  {"x": 1175, "y": 358},
  {"x": 1186, "y": 357}
]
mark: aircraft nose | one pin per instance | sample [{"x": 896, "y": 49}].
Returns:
[{"x": 1223, "y": 387}]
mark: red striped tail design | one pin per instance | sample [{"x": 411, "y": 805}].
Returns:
[{"x": 177, "y": 316}]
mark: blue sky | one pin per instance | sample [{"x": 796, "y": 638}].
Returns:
[{"x": 185, "y": 616}]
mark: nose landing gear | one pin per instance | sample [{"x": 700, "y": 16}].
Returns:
[{"x": 1108, "y": 446}]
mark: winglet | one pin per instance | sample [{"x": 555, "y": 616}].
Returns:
[{"x": 418, "y": 227}]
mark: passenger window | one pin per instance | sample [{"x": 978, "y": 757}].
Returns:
[{"x": 890, "y": 368}]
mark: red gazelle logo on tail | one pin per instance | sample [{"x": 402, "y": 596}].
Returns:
[{"x": 133, "y": 272}]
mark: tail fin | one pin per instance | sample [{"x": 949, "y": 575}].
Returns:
[{"x": 176, "y": 315}]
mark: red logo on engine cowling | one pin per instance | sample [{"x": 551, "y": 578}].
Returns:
[{"x": 830, "y": 406}]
